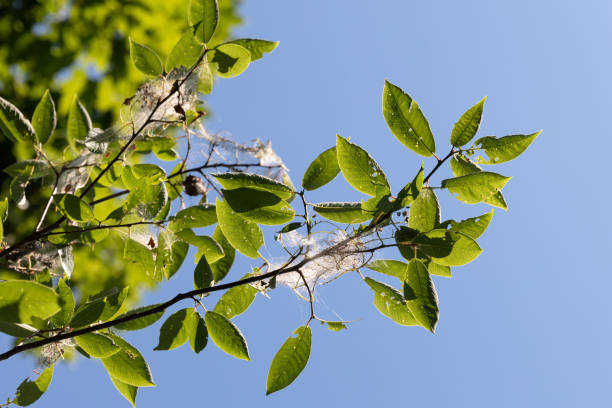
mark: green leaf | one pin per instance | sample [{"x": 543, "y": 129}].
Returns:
[
  {"x": 406, "y": 121},
  {"x": 17, "y": 329},
  {"x": 290, "y": 360},
  {"x": 467, "y": 125},
  {"x": 101, "y": 308},
  {"x": 201, "y": 215},
  {"x": 439, "y": 270},
  {"x": 147, "y": 199},
  {"x": 477, "y": 187},
  {"x": 145, "y": 59},
  {"x": 425, "y": 211},
  {"x": 256, "y": 47},
  {"x": 139, "y": 254},
  {"x": 472, "y": 227},
  {"x": 73, "y": 207},
  {"x": 463, "y": 251},
  {"x": 503, "y": 149},
  {"x": 205, "y": 244},
  {"x": 205, "y": 12},
  {"x": 44, "y": 119},
  {"x": 420, "y": 295},
  {"x": 25, "y": 301},
  {"x": 17, "y": 188},
  {"x": 152, "y": 172},
  {"x": 221, "y": 267},
  {"x": 171, "y": 253},
  {"x": 234, "y": 180},
  {"x": 14, "y": 125},
  {"x": 97, "y": 345},
  {"x": 29, "y": 392},
  {"x": 391, "y": 303},
  {"x": 435, "y": 243},
  {"x": 231, "y": 60},
  {"x": 128, "y": 365},
  {"x": 259, "y": 206},
  {"x": 128, "y": 391},
  {"x": 202, "y": 274},
  {"x": 66, "y": 302},
  {"x": 242, "y": 234},
  {"x": 236, "y": 300},
  {"x": 411, "y": 191},
  {"x": 360, "y": 169},
  {"x": 290, "y": 227},
  {"x": 462, "y": 167},
  {"x": 403, "y": 237},
  {"x": 205, "y": 84},
  {"x": 199, "y": 334},
  {"x": 322, "y": 170},
  {"x": 185, "y": 53},
  {"x": 79, "y": 123},
  {"x": 389, "y": 267},
  {"x": 347, "y": 213},
  {"x": 226, "y": 335},
  {"x": 177, "y": 329},
  {"x": 334, "y": 326},
  {"x": 141, "y": 322},
  {"x": 30, "y": 169}
]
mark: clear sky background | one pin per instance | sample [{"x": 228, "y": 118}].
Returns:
[{"x": 528, "y": 323}]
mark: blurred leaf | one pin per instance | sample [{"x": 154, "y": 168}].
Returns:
[
  {"x": 25, "y": 301},
  {"x": 73, "y": 207},
  {"x": 66, "y": 301},
  {"x": 256, "y": 47},
  {"x": 185, "y": 53},
  {"x": 79, "y": 122},
  {"x": 145, "y": 59},
  {"x": 44, "y": 118},
  {"x": 14, "y": 125},
  {"x": 230, "y": 60},
  {"x": 205, "y": 12},
  {"x": 290, "y": 360}
]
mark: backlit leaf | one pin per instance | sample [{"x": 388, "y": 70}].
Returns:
[
  {"x": 391, "y": 303},
  {"x": 73, "y": 207},
  {"x": 259, "y": 206},
  {"x": 347, "y": 213},
  {"x": 230, "y": 60},
  {"x": 199, "y": 335},
  {"x": 206, "y": 13},
  {"x": 231, "y": 181},
  {"x": 236, "y": 300},
  {"x": 222, "y": 266},
  {"x": 290, "y": 360},
  {"x": 202, "y": 274},
  {"x": 177, "y": 329},
  {"x": 201, "y": 215},
  {"x": 256, "y": 47},
  {"x": 226, "y": 335},
  {"x": 360, "y": 169},
  {"x": 128, "y": 391},
  {"x": 97, "y": 345},
  {"x": 185, "y": 53},
  {"x": 322, "y": 170},
  {"x": 467, "y": 125},
  {"x": 14, "y": 124},
  {"x": 424, "y": 212},
  {"x": 420, "y": 295},
  {"x": 477, "y": 187},
  {"x": 242, "y": 234},
  {"x": 44, "y": 118},
  {"x": 79, "y": 123},
  {"x": 29, "y": 392},
  {"x": 128, "y": 365},
  {"x": 389, "y": 267},
  {"x": 145, "y": 59},
  {"x": 503, "y": 149},
  {"x": 141, "y": 322},
  {"x": 24, "y": 301}
]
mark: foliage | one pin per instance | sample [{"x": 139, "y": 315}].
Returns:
[{"x": 111, "y": 185}]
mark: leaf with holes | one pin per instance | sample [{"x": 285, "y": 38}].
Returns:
[
  {"x": 424, "y": 212},
  {"x": 503, "y": 149},
  {"x": 477, "y": 187},
  {"x": 391, "y": 303},
  {"x": 236, "y": 300},
  {"x": 360, "y": 169}
]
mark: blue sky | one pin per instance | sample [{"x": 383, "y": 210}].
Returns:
[{"x": 527, "y": 324}]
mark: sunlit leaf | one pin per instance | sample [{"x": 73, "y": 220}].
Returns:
[
  {"x": 97, "y": 345},
  {"x": 231, "y": 181},
  {"x": 206, "y": 13},
  {"x": 389, "y": 267},
  {"x": 420, "y": 295},
  {"x": 66, "y": 301},
  {"x": 290, "y": 360},
  {"x": 202, "y": 274},
  {"x": 44, "y": 118},
  {"x": 73, "y": 207},
  {"x": 128, "y": 391},
  {"x": 29, "y": 392},
  {"x": 322, "y": 170},
  {"x": 477, "y": 187},
  {"x": 14, "y": 124},
  {"x": 177, "y": 329},
  {"x": 261, "y": 207},
  {"x": 473, "y": 227},
  {"x": 199, "y": 334},
  {"x": 256, "y": 47},
  {"x": 424, "y": 212},
  {"x": 503, "y": 149},
  {"x": 462, "y": 167},
  {"x": 145, "y": 59},
  {"x": 348, "y": 213},
  {"x": 467, "y": 125},
  {"x": 201, "y": 215},
  {"x": 360, "y": 169},
  {"x": 128, "y": 365},
  {"x": 185, "y": 53},
  {"x": 141, "y": 322},
  {"x": 236, "y": 300},
  {"x": 242, "y": 234},
  {"x": 391, "y": 303},
  {"x": 24, "y": 301},
  {"x": 230, "y": 60},
  {"x": 226, "y": 335},
  {"x": 406, "y": 121},
  {"x": 79, "y": 123},
  {"x": 222, "y": 266}
]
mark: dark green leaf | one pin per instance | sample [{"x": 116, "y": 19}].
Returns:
[
  {"x": 128, "y": 365},
  {"x": 177, "y": 329},
  {"x": 290, "y": 360},
  {"x": 236, "y": 300},
  {"x": 411, "y": 190},
  {"x": 348, "y": 213},
  {"x": 25, "y": 301},
  {"x": 14, "y": 125},
  {"x": 145, "y": 59},
  {"x": 242, "y": 234},
  {"x": 261, "y": 207},
  {"x": 404, "y": 238},
  {"x": 290, "y": 227},
  {"x": 230, "y": 60},
  {"x": 391, "y": 303},
  {"x": 231, "y": 181},
  {"x": 360, "y": 169},
  {"x": 79, "y": 123},
  {"x": 406, "y": 121},
  {"x": 30, "y": 169},
  {"x": 73, "y": 207},
  {"x": 199, "y": 335},
  {"x": 420, "y": 295},
  {"x": 322, "y": 170},
  {"x": 467, "y": 125},
  {"x": 503, "y": 149},
  {"x": 141, "y": 322},
  {"x": 44, "y": 119},
  {"x": 101, "y": 308},
  {"x": 202, "y": 274},
  {"x": 226, "y": 335},
  {"x": 206, "y": 13},
  {"x": 97, "y": 345},
  {"x": 425, "y": 211},
  {"x": 29, "y": 392}
]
